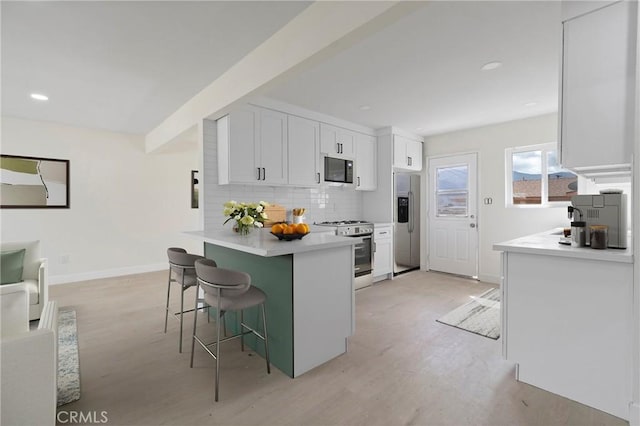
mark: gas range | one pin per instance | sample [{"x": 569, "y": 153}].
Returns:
[
  {"x": 363, "y": 250},
  {"x": 342, "y": 222},
  {"x": 350, "y": 228}
]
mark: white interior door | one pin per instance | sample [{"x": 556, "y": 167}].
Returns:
[{"x": 453, "y": 214}]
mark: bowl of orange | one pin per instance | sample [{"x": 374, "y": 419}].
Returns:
[{"x": 290, "y": 232}]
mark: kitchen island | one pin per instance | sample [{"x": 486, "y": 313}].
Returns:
[
  {"x": 309, "y": 287},
  {"x": 567, "y": 319}
]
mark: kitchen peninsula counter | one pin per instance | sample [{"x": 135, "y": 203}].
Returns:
[
  {"x": 262, "y": 243},
  {"x": 546, "y": 243},
  {"x": 567, "y": 319},
  {"x": 309, "y": 286}
]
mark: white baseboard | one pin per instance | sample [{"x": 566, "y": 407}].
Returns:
[
  {"x": 382, "y": 277},
  {"x": 108, "y": 273},
  {"x": 492, "y": 279},
  {"x": 634, "y": 414}
]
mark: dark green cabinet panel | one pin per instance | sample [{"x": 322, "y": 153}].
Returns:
[{"x": 274, "y": 276}]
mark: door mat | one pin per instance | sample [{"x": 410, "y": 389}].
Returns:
[
  {"x": 480, "y": 316},
  {"x": 68, "y": 360}
]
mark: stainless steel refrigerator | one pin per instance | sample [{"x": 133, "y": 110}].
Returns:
[{"x": 406, "y": 217}]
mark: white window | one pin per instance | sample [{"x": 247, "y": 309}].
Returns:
[
  {"x": 534, "y": 177},
  {"x": 452, "y": 191}
]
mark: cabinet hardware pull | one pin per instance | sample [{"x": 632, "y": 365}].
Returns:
[
  {"x": 258, "y": 173},
  {"x": 383, "y": 232},
  {"x": 358, "y": 180},
  {"x": 318, "y": 177},
  {"x": 337, "y": 148},
  {"x": 264, "y": 174}
]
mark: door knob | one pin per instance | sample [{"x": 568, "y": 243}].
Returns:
[{"x": 473, "y": 225}]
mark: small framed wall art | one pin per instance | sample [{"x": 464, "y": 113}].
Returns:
[{"x": 33, "y": 182}]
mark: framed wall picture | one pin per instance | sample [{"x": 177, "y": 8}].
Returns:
[
  {"x": 33, "y": 182},
  {"x": 194, "y": 189}
]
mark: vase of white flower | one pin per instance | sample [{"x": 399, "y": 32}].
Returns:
[
  {"x": 246, "y": 215},
  {"x": 242, "y": 229}
]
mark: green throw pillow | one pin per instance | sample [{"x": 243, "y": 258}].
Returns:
[{"x": 11, "y": 263}]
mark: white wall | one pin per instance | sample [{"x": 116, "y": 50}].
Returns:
[
  {"x": 496, "y": 222},
  {"x": 322, "y": 203},
  {"x": 127, "y": 207}
]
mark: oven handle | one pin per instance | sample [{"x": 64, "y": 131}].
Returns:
[{"x": 360, "y": 246}]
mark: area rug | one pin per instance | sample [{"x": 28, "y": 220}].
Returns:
[
  {"x": 480, "y": 316},
  {"x": 68, "y": 360}
]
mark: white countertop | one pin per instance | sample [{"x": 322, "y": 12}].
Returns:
[
  {"x": 546, "y": 243},
  {"x": 262, "y": 243},
  {"x": 381, "y": 224}
]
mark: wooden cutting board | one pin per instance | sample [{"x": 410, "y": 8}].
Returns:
[{"x": 275, "y": 214}]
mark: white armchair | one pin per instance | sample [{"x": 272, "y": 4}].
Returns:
[
  {"x": 34, "y": 275},
  {"x": 29, "y": 361}
]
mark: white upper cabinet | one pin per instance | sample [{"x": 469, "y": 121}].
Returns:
[
  {"x": 366, "y": 162},
  {"x": 252, "y": 146},
  {"x": 304, "y": 151},
  {"x": 261, "y": 145},
  {"x": 236, "y": 161},
  {"x": 273, "y": 146},
  {"x": 337, "y": 142},
  {"x": 407, "y": 153},
  {"x": 414, "y": 152},
  {"x": 597, "y": 109}
]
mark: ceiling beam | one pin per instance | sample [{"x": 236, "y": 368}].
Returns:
[{"x": 319, "y": 31}]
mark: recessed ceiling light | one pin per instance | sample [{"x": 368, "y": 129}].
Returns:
[
  {"x": 39, "y": 97},
  {"x": 365, "y": 107},
  {"x": 530, "y": 104},
  {"x": 491, "y": 66}
]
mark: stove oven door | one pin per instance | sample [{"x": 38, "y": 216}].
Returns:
[{"x": 363, "y": 267}]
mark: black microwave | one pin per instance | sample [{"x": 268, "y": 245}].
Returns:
[{"x": 338, "y": 170}]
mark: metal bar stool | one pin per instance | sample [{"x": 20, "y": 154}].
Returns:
[
  {"x": 182, "y": 271},
  {"x": 228, "y": 290}
]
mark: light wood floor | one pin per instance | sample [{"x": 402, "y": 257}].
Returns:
[{"x": 402, "y": 368}]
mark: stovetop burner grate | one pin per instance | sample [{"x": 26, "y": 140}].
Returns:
[{"x": 343, "y": 222}]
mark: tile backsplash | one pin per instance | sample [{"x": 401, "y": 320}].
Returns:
[{"x": 322, "y": 203}]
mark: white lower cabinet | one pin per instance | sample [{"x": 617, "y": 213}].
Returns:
[
  {"x": 383, "y": 254},
  {"x": 568, "y": 324}
]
